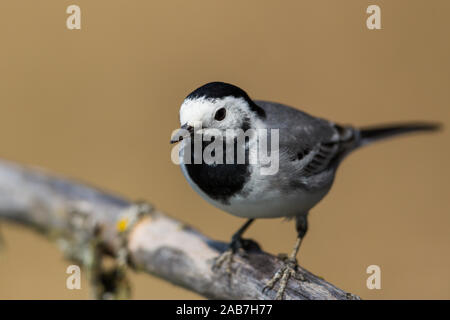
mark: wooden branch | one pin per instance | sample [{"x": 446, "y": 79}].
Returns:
[{"x": 76, "y": 214}]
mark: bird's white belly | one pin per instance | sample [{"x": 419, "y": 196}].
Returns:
[
  {"x": 281, "y": 205},
  {"x": 266, "y": 203}
]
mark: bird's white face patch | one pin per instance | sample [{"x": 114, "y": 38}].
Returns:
[{"x": 202, "y": 111}]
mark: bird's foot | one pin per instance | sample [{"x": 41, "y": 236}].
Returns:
[
  {"x": 225, "y": 259},
  {"x": 238, "y": 246},
  {"x": 288, "y": 270}
]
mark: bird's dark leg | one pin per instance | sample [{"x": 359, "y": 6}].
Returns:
[
  {"x": 289, "y": 269},
  {"x": 236, "y": 244}
]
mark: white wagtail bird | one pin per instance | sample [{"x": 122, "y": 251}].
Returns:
[{"x": 310, "y": 150}]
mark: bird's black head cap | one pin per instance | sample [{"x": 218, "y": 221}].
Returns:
[{"x": 218, "y": 90}]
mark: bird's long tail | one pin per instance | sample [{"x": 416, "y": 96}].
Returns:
[{"x": 371, "y": 134}]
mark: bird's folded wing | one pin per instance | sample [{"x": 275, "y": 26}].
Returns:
[{"x": 311, "y": 143}]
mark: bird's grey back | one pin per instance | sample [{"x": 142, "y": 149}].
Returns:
[{"x": 297, "y": 128}]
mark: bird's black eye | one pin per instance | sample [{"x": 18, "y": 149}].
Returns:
[{"x": 220, "y": 114}]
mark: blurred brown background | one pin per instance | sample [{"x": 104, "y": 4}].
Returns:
[{"x": 99, "y": 104}]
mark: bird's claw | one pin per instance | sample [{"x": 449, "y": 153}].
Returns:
[
  {"x": 237, "y": 246},
  {"x": 288, "y": 270},
  {"x": 226, "y": 259}
]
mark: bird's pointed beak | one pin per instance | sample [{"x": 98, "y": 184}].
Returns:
[{"x": 184, "y": 132}]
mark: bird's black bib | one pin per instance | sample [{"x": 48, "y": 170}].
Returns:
[{"x": 219, "y": 181}]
